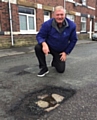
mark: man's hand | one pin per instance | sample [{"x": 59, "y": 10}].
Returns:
[
  {"x": 63, "y": 56},
  {"x": 45, "y": 48}
]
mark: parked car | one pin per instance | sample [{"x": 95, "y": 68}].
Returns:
[{"x": 94, "y": 37}]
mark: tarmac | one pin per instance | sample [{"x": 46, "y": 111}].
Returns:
[
  {"x": 24, "y": 50},
  {"x": 82, "y": 77}
]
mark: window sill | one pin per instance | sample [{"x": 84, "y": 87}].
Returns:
[{"x": 28, "y": 32}]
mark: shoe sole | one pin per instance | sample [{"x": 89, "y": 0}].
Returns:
[{"x": 43, "y": 74}]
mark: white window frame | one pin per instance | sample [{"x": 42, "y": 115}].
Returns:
[
  {"x": 46, "y": 17},
  {"x": 83, "y": 22},
  {"x": 71, "y": 17},
  {"x": 95, "y": 26},
  {"x": 29, "y": 31},
  {"x": 70, "y": 0},
  {"x": 84, "y": 2},
  {"x": 0, "y": 26}
]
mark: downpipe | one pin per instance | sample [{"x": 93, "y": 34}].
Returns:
[
  {"x": 65, "y": 5},
  {"x": 10, "y": 16}
]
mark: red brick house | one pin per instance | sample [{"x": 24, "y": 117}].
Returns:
[
  {"x": 83, "y": 14},
  {"x": 20, "y": 20}
]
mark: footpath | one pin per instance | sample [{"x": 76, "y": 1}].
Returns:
[{"x": 25, "y": 50}]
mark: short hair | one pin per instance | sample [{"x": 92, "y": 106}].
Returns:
[{"x": 58, "y": 8}]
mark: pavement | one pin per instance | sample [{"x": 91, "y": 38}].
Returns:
[{"x": 23, "y": 50}]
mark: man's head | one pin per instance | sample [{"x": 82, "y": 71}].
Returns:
[{"x": 59, "y": 14}]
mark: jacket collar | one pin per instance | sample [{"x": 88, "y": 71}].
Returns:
[{"x": 65, "y": 24}]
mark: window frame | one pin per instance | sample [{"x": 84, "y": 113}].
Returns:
[
  {"x": 46, "y": 17},
  {"x": 69, "y": 16},
  {"x": 83, "y": 22},
  {"x": 84, "y": 2},
  {"x": 28, "y": 31},
  {"x": 95, "y": 26}
]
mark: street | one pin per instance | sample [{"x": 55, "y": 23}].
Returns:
[{"x": 18, "y": 76}]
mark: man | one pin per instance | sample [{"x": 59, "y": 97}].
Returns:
[{"x": 57, "y": 37}]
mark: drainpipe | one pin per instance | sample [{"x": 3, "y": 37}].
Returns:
[
  {"x": 11, "y": 30},
  {"x": 90, "y": 35}
]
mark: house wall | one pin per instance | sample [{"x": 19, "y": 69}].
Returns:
[
  {"x": 78, "y": 10},
  {"x": 15, "y": 18},
  {"x": 40, "y": 6},
  {"x": 5, "y": 19},
  {"x": 23, "y": 39},
  {"x": 96, "y": 14},
  {"x": 46, "y": 5},
  {"x": 4, "y": 16}
]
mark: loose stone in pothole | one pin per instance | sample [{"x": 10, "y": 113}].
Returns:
[{"x": 50, "y": 102}]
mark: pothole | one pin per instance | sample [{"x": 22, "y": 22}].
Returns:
[
  {"x": 41, "y": 102},
  {"x": 23, "y": 73},
  {"x": 17, "y": 68}
]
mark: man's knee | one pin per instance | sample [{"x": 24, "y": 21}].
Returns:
[
  {"x": 60, "y": 70},
  {"x": 60, "y": 67}
]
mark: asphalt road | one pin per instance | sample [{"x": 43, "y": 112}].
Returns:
[{"x": 18, "y": 76}]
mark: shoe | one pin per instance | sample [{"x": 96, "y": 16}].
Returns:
[{"x": 43, "y": 72}]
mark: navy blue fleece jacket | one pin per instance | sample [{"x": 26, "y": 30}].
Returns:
[{"x": 59, "y": 41}]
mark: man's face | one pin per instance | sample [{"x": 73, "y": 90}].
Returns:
[{"x": 59, "y": 16}]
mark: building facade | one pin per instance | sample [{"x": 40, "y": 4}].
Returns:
[
  {"x": 20, "y": 20},
  {"x": 82, "y": 12}
]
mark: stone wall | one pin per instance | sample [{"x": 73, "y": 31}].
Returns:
[
  {"x": 19, "y": 40},
  {"x": 27, "y": 40}
]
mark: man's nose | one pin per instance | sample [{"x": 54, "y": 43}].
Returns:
[{"x": 60, "y": 16}]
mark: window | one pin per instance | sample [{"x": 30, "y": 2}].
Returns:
[
  {"x": 0, "y": 26},
  {"x": 0, "y": 22},
  {"x": 27, "y": 19},
  {"x": 83, "y": 24},
  {"x": 46, "y": 15},
  {"x": 84, "y": 2},
  {"x": 71, "y": 17},
  {"x": 95, "y": 26},
  {"x": 70, "y": 0}
]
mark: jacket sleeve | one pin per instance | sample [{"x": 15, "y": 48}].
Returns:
[
  {"x": 72, "y": 41},
  {"x": 43, "y": 33}
]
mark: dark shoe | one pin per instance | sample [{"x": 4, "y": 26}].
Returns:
[{"x": 43, "y": 72}]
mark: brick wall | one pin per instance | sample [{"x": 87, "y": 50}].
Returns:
[
  {"x": 5, "y": 17},
  {"x": 15, "y": 18},
  {"x": 20, "y": 40},
  {"x": 50, "y": 2},
  {"x": 46, "y": 5},
  {"x": 40, "y": 12},
  {"x": 39, "y": 18},
  {"x": 82, "y": 10},
  {"x": 77, "y": 19}
]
